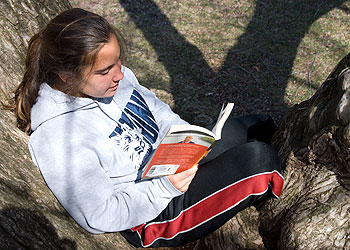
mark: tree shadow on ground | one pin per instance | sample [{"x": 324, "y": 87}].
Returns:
[{"x": 256, "y": 68}]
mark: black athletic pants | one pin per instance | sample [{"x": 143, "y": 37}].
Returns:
[{"x": 241, "y": 169}]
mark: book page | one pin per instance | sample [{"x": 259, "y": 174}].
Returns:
[
  {"x": 224, "y": 114},
  {"x": 185, "y": 128}
]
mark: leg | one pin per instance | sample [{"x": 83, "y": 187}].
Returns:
[
  {"x": 240, "y": 129},
  {"x": 221, "y": 188}
]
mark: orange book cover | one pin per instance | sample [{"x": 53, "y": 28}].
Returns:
[
  {"x": 174, "y": 158},
  {"x": 184, "y": 146}
]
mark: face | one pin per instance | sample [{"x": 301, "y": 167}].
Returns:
[
  {"x": 103, "y": 77},
  {"x": 188, "y": 138}
]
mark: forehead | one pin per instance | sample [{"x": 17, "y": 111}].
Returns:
[{"x": 108, "y": 54}]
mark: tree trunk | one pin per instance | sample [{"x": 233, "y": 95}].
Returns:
[
  {"x": 314, "y": 143},
  {"x": 19, "y": 20},
  {"x": 30, "y": 216},
  {"x": 313, "y": 212}
]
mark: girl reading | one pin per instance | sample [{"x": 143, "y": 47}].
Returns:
[{"x": 92, "y": 128}]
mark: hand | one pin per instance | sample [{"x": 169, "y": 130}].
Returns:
[{"x": 181, "y": 181}]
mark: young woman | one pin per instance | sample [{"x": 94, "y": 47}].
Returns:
[{"x": 93, "y": 126}]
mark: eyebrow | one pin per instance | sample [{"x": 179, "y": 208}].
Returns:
[{"x": 104, "y": 69}]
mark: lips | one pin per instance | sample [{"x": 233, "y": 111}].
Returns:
[{"x": 114, "y": 87}]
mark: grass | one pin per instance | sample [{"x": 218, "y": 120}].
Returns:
[{"x": 263, "y": 55}]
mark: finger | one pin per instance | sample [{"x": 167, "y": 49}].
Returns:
[
  {"x": 181, "y": 181},
  {"x": 183, "y": 184},
  {"x": 188, "y": 172}
]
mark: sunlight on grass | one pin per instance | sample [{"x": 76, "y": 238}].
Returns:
[{"x": 263, "y": 55}]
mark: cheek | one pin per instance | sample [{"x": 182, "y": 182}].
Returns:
[{"x": 100, "y": 83}]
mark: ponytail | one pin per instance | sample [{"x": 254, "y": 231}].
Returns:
[
  {"x": 27, "y": 92},
  {"x": 74, "y": 32}
]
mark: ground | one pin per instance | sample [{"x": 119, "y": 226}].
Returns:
[{"x": 264, "y": 56}]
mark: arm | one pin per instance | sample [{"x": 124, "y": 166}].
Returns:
[{"x": 81, "y": 180}]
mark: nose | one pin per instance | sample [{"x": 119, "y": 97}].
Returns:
[{"x": 118, "y": 75}]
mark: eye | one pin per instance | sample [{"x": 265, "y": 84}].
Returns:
[{"x": 104, "y": 73}]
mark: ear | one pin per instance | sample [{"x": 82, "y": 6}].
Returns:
[{"x": 63, "y": 77}]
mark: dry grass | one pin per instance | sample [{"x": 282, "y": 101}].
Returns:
[{"x": 263, "y": 55}]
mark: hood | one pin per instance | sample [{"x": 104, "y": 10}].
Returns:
[{"x": 52, "y": 103}]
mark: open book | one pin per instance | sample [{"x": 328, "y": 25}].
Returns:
[{"x": 184, "y": 146}]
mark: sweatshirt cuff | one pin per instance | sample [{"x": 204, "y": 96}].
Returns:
[{"x": 170, "y": 187}]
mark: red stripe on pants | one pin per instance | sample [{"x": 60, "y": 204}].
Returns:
[{"x": 210, "y": 207}]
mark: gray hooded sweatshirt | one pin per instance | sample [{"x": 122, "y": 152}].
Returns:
[{"x": 90, "y": 152}]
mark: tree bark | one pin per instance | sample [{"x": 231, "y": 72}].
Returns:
[
  {"x": 314, "y": 144},
  {"x": 20, "y": 20},
  {"x": 30, "y": 216},
  {"x": 313, "y": 212}
]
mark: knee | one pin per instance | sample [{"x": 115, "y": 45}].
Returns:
[
  {"x": 263, "y": 130},
  {"x": 263, "y": 156}
]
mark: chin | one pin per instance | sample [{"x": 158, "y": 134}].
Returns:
[{"x": 110, "y": 94}]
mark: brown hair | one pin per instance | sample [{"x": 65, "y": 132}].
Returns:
[{"x": 66, "y": 46}]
